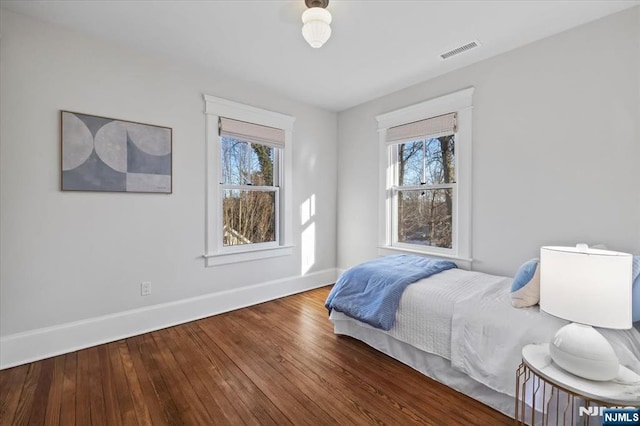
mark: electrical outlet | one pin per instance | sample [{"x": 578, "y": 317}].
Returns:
[{"x": 145, "y": 288}]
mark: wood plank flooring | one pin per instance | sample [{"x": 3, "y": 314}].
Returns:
[{"x": 277, "y": 363}]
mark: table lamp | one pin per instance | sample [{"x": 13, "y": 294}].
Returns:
[{"x": 589, "y": 287}]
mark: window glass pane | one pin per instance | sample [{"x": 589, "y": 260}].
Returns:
[
  {"x": 249, "y": 216},
  {"x": 411, "y": 159},
  {"x": 429, "y": 162},
  {"x": 245, "y": 163},
  {"x": 440, "y": 165},
  {"x": 424, "y": 217}
]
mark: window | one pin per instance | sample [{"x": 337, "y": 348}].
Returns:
[
  {"x": 424, "y": 191},
  {"x": 248, "y": 183},
  {"x": 426, "y": 177}
]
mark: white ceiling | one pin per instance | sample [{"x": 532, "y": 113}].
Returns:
[{"x": 377, "y": 47}]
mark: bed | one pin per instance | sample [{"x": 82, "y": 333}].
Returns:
[{"x": 459, "y": 328}]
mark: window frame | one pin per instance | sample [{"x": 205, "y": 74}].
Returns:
[
  {"x": 215, "y": 252},
  {"x": 459, "y": 102}
]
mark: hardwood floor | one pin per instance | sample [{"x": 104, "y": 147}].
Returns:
[{"x": 277, "y": 363}]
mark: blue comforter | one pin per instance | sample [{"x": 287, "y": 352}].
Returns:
[{"x": 370, "y": 292}]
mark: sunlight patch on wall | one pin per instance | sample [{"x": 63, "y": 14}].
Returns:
[
  {"x": 308, "y": 209},
  {"x": 308, "y": 249},
  {"x": 308, "y": 252}
]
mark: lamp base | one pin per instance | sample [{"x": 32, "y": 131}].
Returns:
[{"x": 583, "y": 351}]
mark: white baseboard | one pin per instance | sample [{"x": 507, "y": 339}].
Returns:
[{"x": 34, "y": 345}]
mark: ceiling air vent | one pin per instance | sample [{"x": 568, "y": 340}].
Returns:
[{"x": 460, "y": 49}]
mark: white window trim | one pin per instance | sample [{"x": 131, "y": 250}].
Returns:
[
  {"x": 214, "y": 255},
  {"x": 460, "y": 102}
]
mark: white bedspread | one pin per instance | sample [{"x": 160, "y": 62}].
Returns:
[
  {"x": 423, "y": 319},
  {"x": 467, "y": 318},
  {"x": 488, "y": 335}
]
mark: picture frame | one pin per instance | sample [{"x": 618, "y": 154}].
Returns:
[{"x": 113, "y": 155}]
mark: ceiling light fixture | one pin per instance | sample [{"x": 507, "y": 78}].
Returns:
[{"x": 317, "y": 19}]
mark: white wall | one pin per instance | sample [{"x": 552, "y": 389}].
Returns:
[
  {"x": 638, "y": 119},
  {"x": 556, "y": 148},
  {"x": 71, "y": 256}
]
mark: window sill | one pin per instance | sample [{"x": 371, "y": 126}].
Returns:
[
  {"x": 386, "y": 250},
  {"x": 246, "y": 256}
]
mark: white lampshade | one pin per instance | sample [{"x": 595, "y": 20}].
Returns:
[
  {"x": 591, "y": 288},
  {"x": 586, "y": 285},
  {"x": 316, "y": 29}
]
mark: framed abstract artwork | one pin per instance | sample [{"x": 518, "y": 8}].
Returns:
[{"x": 105, "y": 154}]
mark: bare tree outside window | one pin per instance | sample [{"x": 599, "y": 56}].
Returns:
[
  {"x": 249, "y": 192},
  {"x": 426, "y": 177}
]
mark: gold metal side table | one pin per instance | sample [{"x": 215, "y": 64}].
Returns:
[{"x": 548, "y": 395}]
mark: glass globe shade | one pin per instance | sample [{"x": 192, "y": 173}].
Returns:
[{"x": 316, "y": 29}]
